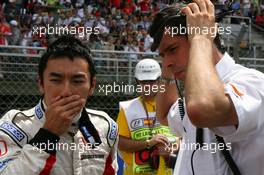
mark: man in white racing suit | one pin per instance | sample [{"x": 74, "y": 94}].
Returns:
[{"x": 59, "y": 136}]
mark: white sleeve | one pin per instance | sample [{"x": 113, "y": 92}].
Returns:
[
  {"x": 175, "y": 121},
  {"x": 17, "y": 153},
  {"x": 247, "y": 95},
  {"x": 20, "y": 160}
]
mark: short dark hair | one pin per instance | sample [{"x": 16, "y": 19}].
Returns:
[
  {"x": 171, "y": 16},
  {"x": 66, "y": 46}
]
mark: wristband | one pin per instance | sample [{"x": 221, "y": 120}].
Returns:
[
  {"x": 43, "y": 139},
  {"x": 171, "y": 161}
]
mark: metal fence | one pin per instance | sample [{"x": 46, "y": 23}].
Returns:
[
  {"x": 18, "y": 73},
  {"x": 18, "y": 78}
]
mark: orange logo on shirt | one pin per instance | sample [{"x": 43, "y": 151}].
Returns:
[
  {"x": 236, "y": 90},
  {"x": 148, "y": 122}
]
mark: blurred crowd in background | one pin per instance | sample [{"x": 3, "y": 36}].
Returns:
[{"x": 123, "y": 24}]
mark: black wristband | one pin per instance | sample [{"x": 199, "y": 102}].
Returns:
[
  {"x": 45, "y": 140},
  {"x": 171, "y": 161}
]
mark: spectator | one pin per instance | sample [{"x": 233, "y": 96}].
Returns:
[
  {"x": 26, "y": 39},
  {"x": 101, "y": 24},
  {"x": 5, "y": 31},
  {"x": 155, "y": 8},
  {"x": 10, "y": 10},
  {"x": 89, "y": 22},
  {"x": 125, "y": 16},
  {"x": 132, "y": 46},
  {"x": 114, "y": 28},
  {"x": 14, "y": 39},
  {"x": 124, "y": 20},
  {"x": 128, "y": 30},
  {"x": 145, "y": 23},
  {"x": 134, "y": 23},
  {"x": 48, "y": 18},
  {"x": 109, "y": 45},
  {"x": 115, "y": 3},
  {"x": 129, "y": 8},
  {"x": 260, "y": 19},
  {"x": 118, "y": 45},
  {"x": 144, "y": 6},
  {"x": 245, "y": 7},
  {"x": 147, "y": 40}
]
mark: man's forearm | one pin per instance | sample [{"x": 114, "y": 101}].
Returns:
[
  {"x": 129, "y": 145},
  {"x": 204, "y": 92}
]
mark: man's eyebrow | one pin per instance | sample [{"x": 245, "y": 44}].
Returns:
[
  {"x": 174, "y": 44},
  {"x": 79, "y": 75},
  {"x": 55, "y": 74}
]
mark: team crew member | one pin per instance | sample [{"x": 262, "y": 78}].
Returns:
[
  {"x": 143, "y": 141},
  {"x": 59, "y": 135},
  {"x": 221, "y": 97}
]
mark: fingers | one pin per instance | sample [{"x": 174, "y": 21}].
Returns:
[
  {"x": 160, "y": 139},
  {"x": 73, "y": 104},
  {"x": 187, "y": 11},
  {"x": 164, "y": 140},
  {"x": 70, "y": 106},
  {"x": 61, "y": 101},
  {"x": 194, "y": 8},
  {"x": 203, "y": 6},
  {"x": 55, "y": 99},
  {"x": 164, "y": 149},
  {"x": 72, "y": 112},
  {"x": 200, "y": 17},
  {"x": 67, "y": 107},
  {"x": 61, "y": 112},
  {"x": 210, "y": 7}
]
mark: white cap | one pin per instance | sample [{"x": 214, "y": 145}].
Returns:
[
  {"x": 147, "y": 69},
  {"x": 13, "y": 22},
  {"x": 77, "y": 19}
]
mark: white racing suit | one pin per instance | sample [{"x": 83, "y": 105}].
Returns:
[{"x": 68, "y": 154}]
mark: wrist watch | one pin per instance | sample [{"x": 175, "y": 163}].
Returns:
[{"x": 166, "y": 80}]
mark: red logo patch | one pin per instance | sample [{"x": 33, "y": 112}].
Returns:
[{"x": 3, "y": 148}]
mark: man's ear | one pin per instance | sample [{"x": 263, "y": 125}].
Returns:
[
  {"x": 40, "y": 85},
  {"x": 92, "y": 88}
]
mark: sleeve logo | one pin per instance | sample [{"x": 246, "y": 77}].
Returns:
[
  {"x": 38, "y": 112},
  {"x": 11, "y": 129}
]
